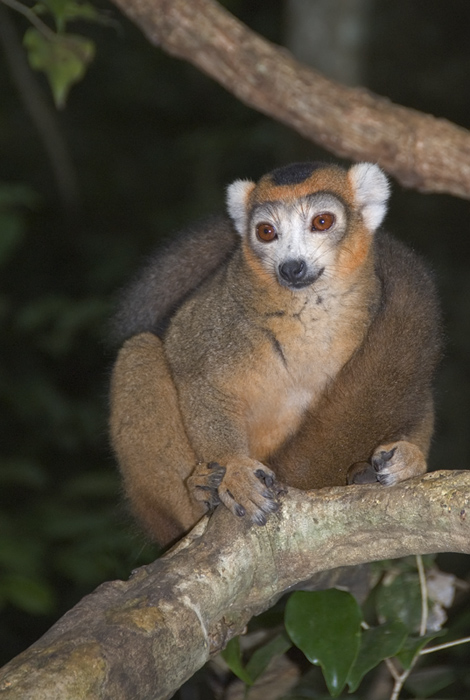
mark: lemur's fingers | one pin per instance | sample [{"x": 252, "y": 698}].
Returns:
[
  {"x": 269, "y": 478},
  {"x": 246, "y": 487},
  {"x": 398, "y": 461},
  {"x": 204, "y": 482},
  {"x": 249, "y": 488},
  {"x": 362, "y": 473}
]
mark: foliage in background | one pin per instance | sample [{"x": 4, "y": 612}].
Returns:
[
  {"x": 62, "y": 56},
  {"x": 59, "y": 525},
  {"x": 153, "y": 144},
  {"x": 404, "y": 612}
]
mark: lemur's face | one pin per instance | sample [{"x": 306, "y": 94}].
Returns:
[
  {"x": 309, "y": 221},
  {"x": 296, "y": 241}
]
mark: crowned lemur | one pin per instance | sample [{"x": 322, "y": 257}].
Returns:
[{"x": 294, "y": 344}]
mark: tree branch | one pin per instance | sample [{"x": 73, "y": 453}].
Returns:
[
  {"x": 422, "y": 152},
  {"x": 144, "y": 637}
]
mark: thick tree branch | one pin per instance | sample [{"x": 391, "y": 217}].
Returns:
[
  {"x": 429, "y": 154},
  {"x": 144, "y": 637}
]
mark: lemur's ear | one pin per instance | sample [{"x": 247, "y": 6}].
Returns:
[
  {"x": 237, "y": 199},
  {"x": 371, "y": 192}
]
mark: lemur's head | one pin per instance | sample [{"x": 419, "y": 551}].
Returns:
[{"x": 307, "y": 218}]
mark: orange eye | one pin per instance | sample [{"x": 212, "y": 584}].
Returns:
[
  {"x": 322, "y": 222},
  {"x": 266, "y": 232}
]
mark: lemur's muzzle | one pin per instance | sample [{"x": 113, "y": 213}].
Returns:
[{"x": 296, "y": 274}]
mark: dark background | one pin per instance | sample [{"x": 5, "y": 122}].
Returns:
[{"x": 153, "y": 144}]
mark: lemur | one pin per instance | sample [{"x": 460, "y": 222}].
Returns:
[{"x": 301, "y": 354}]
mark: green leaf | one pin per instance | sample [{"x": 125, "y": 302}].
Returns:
[
  {"x": 399, "y": 598},
  {"x": 325, "y": 625},
  {"x": 427, "y": 682},
  {"x": 377, "y": 644},
  {"x": 232, "y": 656},
  {"x": 261, "y": 658},
  {"x": 28, "y": 594},
  {"x": 64, "y": 60},
  {"x": 65, "y": 11},
  {"x": 413, "y": 646}
]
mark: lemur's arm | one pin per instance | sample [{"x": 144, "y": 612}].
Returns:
[{"x": 156, "y": 457}]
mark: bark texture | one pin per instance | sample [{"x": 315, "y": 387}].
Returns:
[
  {"x": 144, "y": 637},
  {"x": 420, "y": 151}
]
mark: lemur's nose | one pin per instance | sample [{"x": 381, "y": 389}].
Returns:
[{"x": 293, "y": 271}]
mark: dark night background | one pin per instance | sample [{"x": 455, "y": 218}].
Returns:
[{"x": 153, "y": 143}]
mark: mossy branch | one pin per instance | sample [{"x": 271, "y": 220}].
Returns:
[{"x": 144, "y": 637}]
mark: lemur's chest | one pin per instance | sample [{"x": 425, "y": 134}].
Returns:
[{"x": 296, "y": 360}]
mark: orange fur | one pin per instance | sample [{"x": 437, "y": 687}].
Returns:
[
  {"x": 330, "y": 179},
  {"x": 354, "y": 252}
]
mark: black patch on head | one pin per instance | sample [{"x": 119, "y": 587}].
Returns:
[{"x": 295, "y": 173}]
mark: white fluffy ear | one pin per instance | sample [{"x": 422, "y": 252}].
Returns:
[
  {"x": 371, "y": 192},
  {"x": 237, "y": 196}
]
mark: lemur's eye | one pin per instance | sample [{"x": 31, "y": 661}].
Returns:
[
  {"x": 322, "y": 222},
  {"x": 266, "y": 232}
]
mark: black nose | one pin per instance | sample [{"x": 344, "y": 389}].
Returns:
[{"x": 293, "y": 271}]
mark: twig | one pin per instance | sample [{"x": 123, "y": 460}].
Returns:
[
  {"x": 424, "y": 595},
  {"x": 32, "y": 17},
  {"x": 39, "y": 111},
  {"x": 438, "y": 647}
]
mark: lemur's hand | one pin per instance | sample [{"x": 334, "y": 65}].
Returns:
[
  {"x": 246, "y": 487},
  {"x": 398, "y": 461},
  {"x": 390, "y": 464}
]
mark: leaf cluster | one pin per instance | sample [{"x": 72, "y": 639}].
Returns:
[
  {"x": 348, "y": 641},
  {"x": 61, "y": 55}
]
